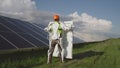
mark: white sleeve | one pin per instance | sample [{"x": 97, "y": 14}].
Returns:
[{"x": 48, "y": 27}]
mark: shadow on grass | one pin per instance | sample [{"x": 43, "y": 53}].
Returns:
[
  {"x": 87, "y": 54},
  {"x": 30, "y": 66},
  {"x": 80, "y": 45}
]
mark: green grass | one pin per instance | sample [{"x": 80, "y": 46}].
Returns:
[{"x": 104, "y": 54}]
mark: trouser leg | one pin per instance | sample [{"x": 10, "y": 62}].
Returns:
[
  {"x": 51, "y": 49},
  {"x": 50, "y": 52},
  {"x": 61, "y": 50}
]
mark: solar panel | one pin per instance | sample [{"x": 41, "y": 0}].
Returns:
[
  {"x": 40, "y": 30},
  {"x": 20, "y": 34},
  {"x": 34, "y": 33},
  {"x": 4, "y": 44},
  {"x": 33, "y": 40},
  {"x": 16, "y": 40},
  {"x": 9, "y": 25},
  {"x": 3, "y": 29}
]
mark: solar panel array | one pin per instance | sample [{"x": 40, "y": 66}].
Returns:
[{"x": 16, "y": 34}]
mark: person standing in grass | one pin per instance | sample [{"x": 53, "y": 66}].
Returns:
[{"x": 56, "y": 30}]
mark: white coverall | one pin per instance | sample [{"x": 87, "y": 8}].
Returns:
[{"x": 55, "y": 29}]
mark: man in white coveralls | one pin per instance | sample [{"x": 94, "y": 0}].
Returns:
[{"x": 56, "y": 29}]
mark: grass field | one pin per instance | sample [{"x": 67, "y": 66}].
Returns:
[{"x": 104, "y": 54}]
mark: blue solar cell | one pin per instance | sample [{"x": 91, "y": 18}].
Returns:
[
  {"x": 3, "y": 29},
  {"x": 5, "y": 45},
  {"x": 22, "y": 34},
  {"x": 16, "y": 40},
  {"x": 33, "y": 40},
  {"x": 10, "y": 26},
  {"x": 30, "y": 30},
  {"x": 37, "y": 29}
]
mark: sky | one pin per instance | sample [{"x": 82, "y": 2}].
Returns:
[
  {"x": 105, "y": 9},
  {"x": 93, "y": 20}
]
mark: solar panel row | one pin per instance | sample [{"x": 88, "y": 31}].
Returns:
[{"x": 20, "y": 34}]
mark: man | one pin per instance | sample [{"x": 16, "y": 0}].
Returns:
[{"x": 55, "y": 29}]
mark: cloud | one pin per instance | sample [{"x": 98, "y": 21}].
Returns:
[
  {"x": 20, "y": 9},
  {"x": 24, "y": 10},
  {"x": 16, "y": 6},
  {"x": 88, "y": 23},
  {"x": 86, "y": 27},
  {"x": 89, "y": 28}
]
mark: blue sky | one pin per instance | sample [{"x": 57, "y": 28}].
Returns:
[{"x": 104, "y": 9}]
